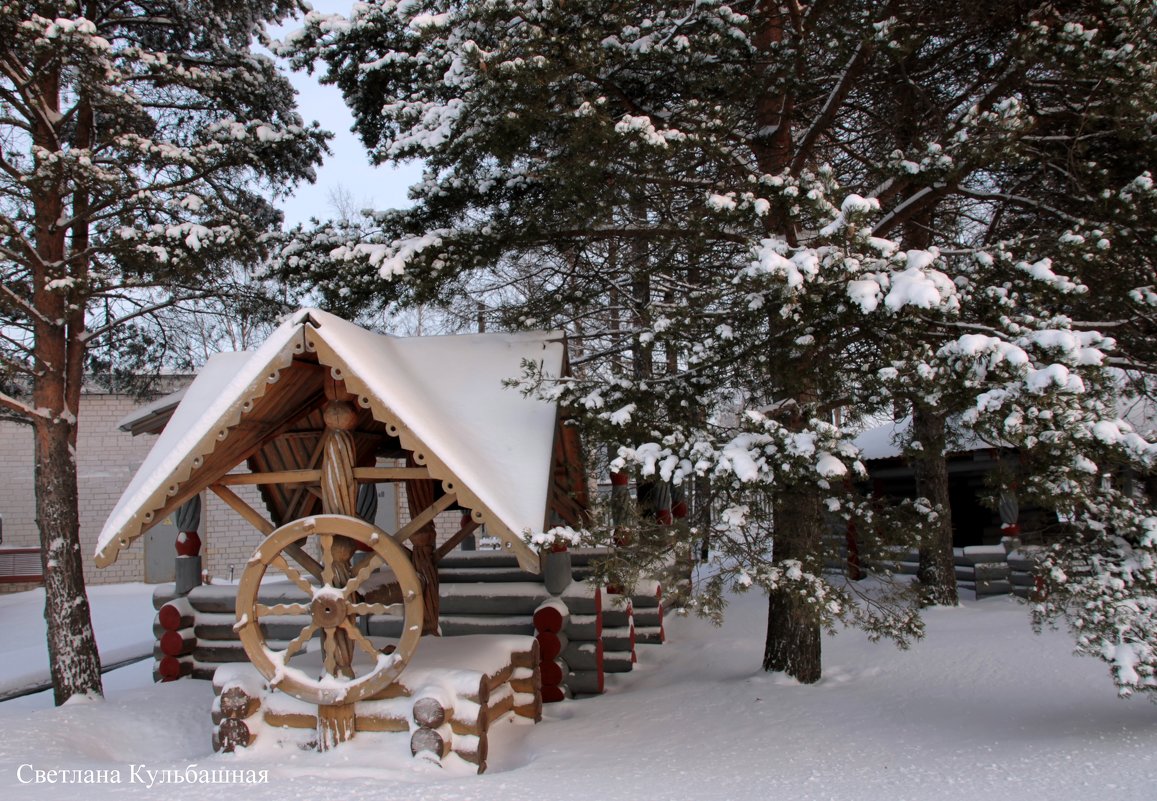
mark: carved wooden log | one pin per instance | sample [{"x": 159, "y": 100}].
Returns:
[
  {"x": 531, "y": 710},
  {"x": 293, "y": 720},
  {"x": 428, "y": 741},
  {"x": 235, "y": 702},
  {"x": 429, "y": 712},
  {"x": 473, "y": 750},
  {"x": 528, "y": 658},
  {"x": 648, "y": 617},
  {"x": 335, "y": 725},
  {"x": 419, "y": 497},
  {"x": 388, "y": 723},
  {"x": 531, "y": 683},
  {"x": 233, "y": 734}
]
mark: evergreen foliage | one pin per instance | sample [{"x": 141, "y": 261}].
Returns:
[{"x": 755, "y": 216}]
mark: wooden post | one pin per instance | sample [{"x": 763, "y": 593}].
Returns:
[
  {"x": 420, "y": 496},
  {"x": 339, "y": 495}
]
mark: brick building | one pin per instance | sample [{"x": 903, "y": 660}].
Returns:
[{"x": 107, "y": 458}]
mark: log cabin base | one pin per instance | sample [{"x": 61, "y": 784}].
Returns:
[{"x": 451, "y": 695}]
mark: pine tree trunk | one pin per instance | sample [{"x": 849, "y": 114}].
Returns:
[
  {"x": 937, "y": 569},
  {"x": 793, "y": 629},
  {"x": 72, "y": 654},
  {"x": 58, "y": 328}
]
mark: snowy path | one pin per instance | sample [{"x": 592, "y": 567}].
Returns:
[{"x": 982, "y": 709}]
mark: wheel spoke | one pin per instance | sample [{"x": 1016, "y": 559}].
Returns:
[
  {"x": 299, "y": 641},
  {"x": 367, "y": 570},
  {"x": 377, "y": 609},
  {"x": 360, "y": 639},
  {"x": 304, "y": 559},
  {"x": 327, "y": 570},
  {"x": 284, "y": 566},
  {"x": 281, "y": 609},
  {"x": 329, "y": 649}
]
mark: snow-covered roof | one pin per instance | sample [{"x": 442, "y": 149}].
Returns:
[
  {"x": 884, "y": 441},
  {"x": 444, "y": 395}
]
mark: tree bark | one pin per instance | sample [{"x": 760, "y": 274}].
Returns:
[
  {"x": 937, "y": 568},
  {"x": 74, "y": 662},
  {"x": 793, "y": 629},
  {"x": 58, "y": 327}
]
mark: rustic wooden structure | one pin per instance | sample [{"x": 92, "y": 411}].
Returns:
[{"x": 321, "y": 408}]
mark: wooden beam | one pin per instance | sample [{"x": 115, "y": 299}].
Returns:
[
  {"x": 427, "y": 514},
  {"x": 255, "y": 519},
  {"x": 238, "y": 505},
  {"x": 469, "y": 528},
  {"x": 301, "y": 495},
  {"x": 390, "y": 473},
  {"x": 271, "y": 477}
]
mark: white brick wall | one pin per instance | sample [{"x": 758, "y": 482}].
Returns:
[{"x": 107, "y": 458}]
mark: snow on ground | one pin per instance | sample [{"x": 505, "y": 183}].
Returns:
[
  {"x": 981, "y": 709},
  {"x": 122, "y": 616}
]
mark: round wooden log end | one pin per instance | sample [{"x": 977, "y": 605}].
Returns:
[
  {"x": 548, "y": 618},
  {"x": 550, "y": 645},
  {"x": 170, "y": 617},
  {"x": 553, "y": 694},
  {"x": 170, "y": 668},
  {"x": 428, "y": 741},
  {"x": 429, "y": 712},
  {"x": 233, "y": 734},
  {"x": 236, "y": 703},
  {"x": 552, "y": 673},
  {"x": 173, "y": 643}
]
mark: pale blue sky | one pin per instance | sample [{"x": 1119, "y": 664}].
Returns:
[{"x": 348, "y": 167}]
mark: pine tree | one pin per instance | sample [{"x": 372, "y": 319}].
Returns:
[
  {"x": 655, "y": 164},
  {"x": 752, "y": 216},
  {"x": 138, "y": 140}
]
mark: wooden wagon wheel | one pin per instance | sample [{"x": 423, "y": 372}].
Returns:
[{"x": 331, "y": 608}]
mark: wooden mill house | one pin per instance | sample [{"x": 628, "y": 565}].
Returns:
[{"x": 322, "y": 637}]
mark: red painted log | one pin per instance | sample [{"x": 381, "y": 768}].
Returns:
[
  {"x": 553, "y": 673},
  {"x": 551, "y": 617},
  {"x": 551, "y": 645},
  {"x": 178, "y": 643},
  {"x": 552, "y": 695},
  {"x": 173, "y": 619},
  {"x": 170, "y": 668}
]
